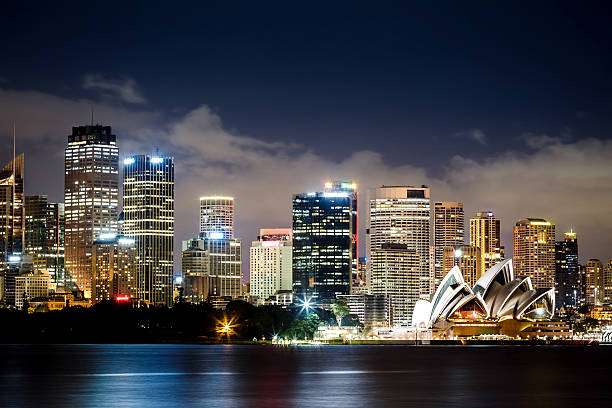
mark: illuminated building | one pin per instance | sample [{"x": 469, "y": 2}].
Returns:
[
  {"x": 148, "y": 218},
  {"x": 325, "y": 242},
  {"x": 607, "y": 281},
  {"x": 44, "y": 236},
  {"x": 114, "y": 265},
  {"x": 467, "y": 258},
  {"x": 217, "y": 216},
  {"x": 16, "y": 265},
  {"x": 567, "y": 280},
  {"x": 90, "y": 196},
  {"x": 449, "y": 231},
  {"x": 534, "y": 251},
  {"x": 595, "y": 289},
  {"x": 271, "y": 263},
  {"x": 396, "y": 272},
  {"x": 371, "y": 310},
  {"x": 401, "y": 215},
  {"x": 30, "y": 286},
  {"x": 485, "y": 234},
  {"x": 12, "y": 215},
  {"x": 195, "y": 272},
  {"x": 359, "y": 286}
]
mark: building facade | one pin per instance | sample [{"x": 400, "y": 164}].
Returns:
[
  {"x": 29, "y": 286},
  {"x": 567, "y": 289},
  {"x": 607, "y": 280},
  {"x": 217, "y": 217},
  {"x": 148, "y": 218},
  {"x": 396, "y": 273},
  {"x": 485, "y": 234},
  {"x": 12, "y": 213},
  {"x": 371, "y": 310},
  {"x": 594, "y": 277},
  {"x": 271, "y": 263},
  {"x": 401, "y": 215},
  {"x": 534, "y": 251},
  {"x": 91, "y": 188},
  {"x": 44, "y": 237},
  {"x": 114, "y": 262},
  {"x": 468, "y": 258},
  {"x": 449, "y": 231},
  {"x": 325, "y": 242}
]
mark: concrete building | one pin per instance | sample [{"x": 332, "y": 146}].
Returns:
[
  {"x": 534, "y": 251},
  {"x": 16, "y": 265},
  {"x": 12, "y": 214},
  {"x": 371, "y": 310},
  {"x": 595, "y": 289},
  {"x": 325, "y": 242},
  {"x": 449, "y": 231},
  {"x": 468, "y": 258},
  {"x": 148, "y": 218},
  {"x": 114, "y": 268},
  {"x": 485, "y": 234},
  {"x": 29, "y": 286},
  {"x": 607, "y": 281},
  {"x": 91, "y": 188},
  {"x": 271, "y": 263}
]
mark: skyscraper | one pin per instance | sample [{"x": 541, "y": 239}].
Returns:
[
  {"x": 595, "y": 289},
  {"x": 148, "y": 218},
  {"x": 567, "y": 288},
  {"x": 401, "y": 215},
  {"x": 534, "y": 251},
  {"x": 44, "y": 236},
  {"x": 485, "y": 234},
  {"x": 325, "y": 242},
  {"x": 271, "y": 263},
  {"x": 12, "y": 214},
  {"x": 217, "y": 216},
  {"x": 607, "y": 280},
  {"x": 114, "y": 268},
  {"x": 90, "y": 195},
  {"x": 467, "y": 258},
  {"x": 449, "y": 231}
]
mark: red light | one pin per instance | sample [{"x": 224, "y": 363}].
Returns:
[{"x": 122, "y": 298}]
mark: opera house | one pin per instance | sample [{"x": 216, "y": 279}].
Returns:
[{"x": 498, "y": 304}]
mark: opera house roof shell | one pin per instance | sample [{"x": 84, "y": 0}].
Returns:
[{"x": 497, "y": 295}]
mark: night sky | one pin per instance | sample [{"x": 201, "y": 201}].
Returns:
[{"x": 502, "y": 106}]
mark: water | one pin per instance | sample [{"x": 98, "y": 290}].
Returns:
[{"x": 327, "y": 376}]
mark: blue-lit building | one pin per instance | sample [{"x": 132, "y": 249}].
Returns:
[
  {"x": 568, "y": 290},
  {"x": 325, "y": 242},
  {"x": 148, "y": 218}
]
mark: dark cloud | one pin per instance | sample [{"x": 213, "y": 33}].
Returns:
[{"x": 123, "y": 89}]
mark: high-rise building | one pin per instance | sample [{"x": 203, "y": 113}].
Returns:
[
  {"x": 595, "y": 289},
  {"x": 607, "y": 280},
  {"x": 31, "y": 285},
  {"x": 114, "y": 268},
  {"x": 371, "y": 310},
  {"x": 195, "y": 267},
  {"x": 325, "y": 242},
  {"x": 271, "y": 263},
  {"x": 148, "y": 218},
  {"x": 91, "y": 190},
  {"x": 469, "y": 260},
  {"x": 44, "y": 236},
  {"x": 12, "y": 214},
  {"x": 396, "y": 272},
  {"x": 567, "y": 289},
  {"x": 485, "y": 234},
  {"x": 401, "y": 215},
  {"x": 217, "y": 217},
  {"x": 534, "y": 251},
  {"x": 449, "y": 231}
]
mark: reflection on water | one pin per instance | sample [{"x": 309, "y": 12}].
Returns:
[{"x": 336, "y": 376}]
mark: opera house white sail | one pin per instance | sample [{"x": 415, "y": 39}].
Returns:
[{"x": 498, "y": 295}]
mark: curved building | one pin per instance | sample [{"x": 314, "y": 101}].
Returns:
[{"x": 497, "y": 296}]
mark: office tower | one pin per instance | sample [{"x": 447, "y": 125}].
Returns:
[
  {"x": 469, "y": 260},
  {"x": 534, "y": 251},
  {"x": 90, "y": 196},
  {"x": 567, "y": 280},
  {"x": 212, "y": 267},
  {"x": 217, "y": 217},
  {"x": 607, "y": 281},
  {"x": 325, "y": 242},
  {"x": 44, "y": 236},
  {"x": 12, "y": 214},
  {"x": 396, "y": 272},
  {"x": 114, "y": 267},
  {"x": 359, "y": 285},
  {"x": 148, "y": 218},
  {"x": 16, "y": 265},
  {"x": 401, "y": 215},
  {"x": 34, "y": 284},
  {"x": 371, "y": 310},
  {"x": 485, "y": 234},
  {"x": 271, "y": 263},
  {"x": 594, "y": 276},
  {"x": 449, "y": 231}
]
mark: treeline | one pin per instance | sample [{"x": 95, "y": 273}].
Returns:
[{"x": 111, "y": 322}]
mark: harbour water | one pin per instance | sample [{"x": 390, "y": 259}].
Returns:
[{"x": 310, "y": 376}]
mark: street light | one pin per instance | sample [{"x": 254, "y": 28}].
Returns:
[{"x": 306, "y": 304}]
